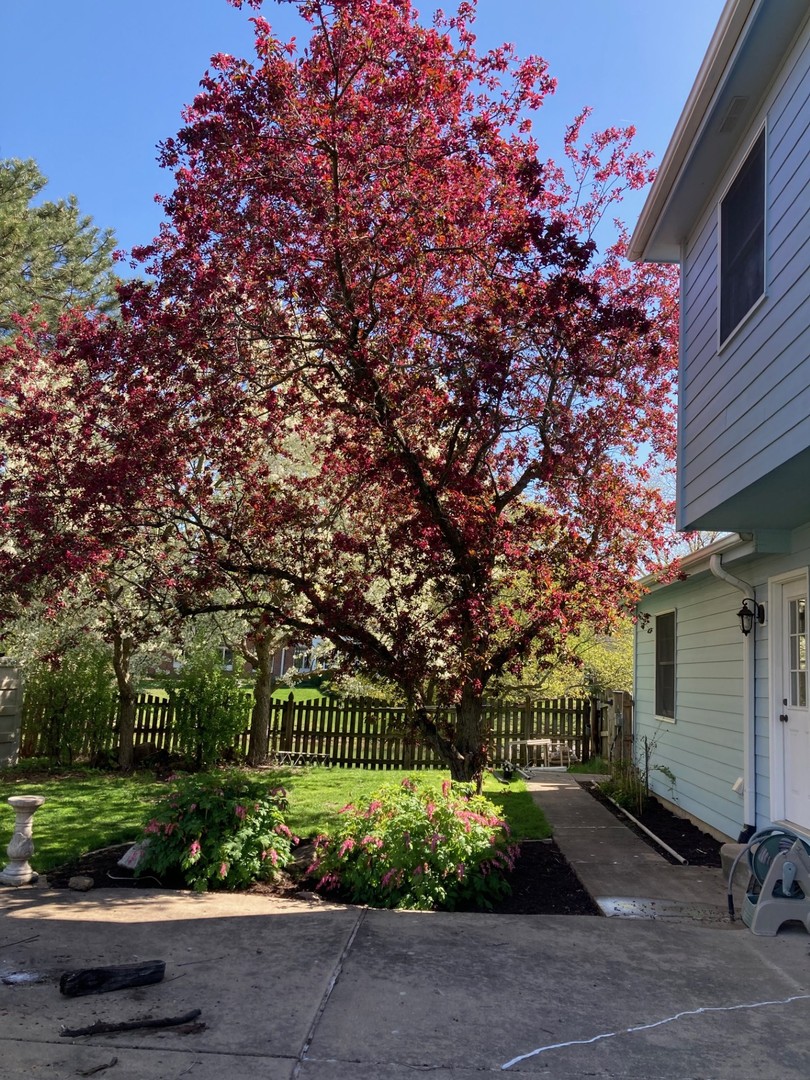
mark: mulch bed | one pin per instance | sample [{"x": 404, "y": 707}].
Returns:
[
  {"x": 542, "y": 882},
  {"x": 694, "y": 845}
]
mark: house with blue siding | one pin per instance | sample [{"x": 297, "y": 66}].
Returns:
[{"x": 721, "y": 692}]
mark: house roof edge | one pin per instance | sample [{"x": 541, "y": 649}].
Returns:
[
  {"x": 697, "y": 562},
  {"x": 710, "y": 74}
]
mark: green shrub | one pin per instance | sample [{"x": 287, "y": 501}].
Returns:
[
  {"x": 220, "y": 831},
  {"x": 411, "y": 846},
  {"x": 69, "y": 705},
  {"x": 210, "y": 710}
]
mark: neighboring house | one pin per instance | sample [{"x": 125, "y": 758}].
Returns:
[{"x": 727, "y": 712}]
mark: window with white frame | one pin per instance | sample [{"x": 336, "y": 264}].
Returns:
[
  {"x": 742, "y": 240},
  {"x": 665, "y": 665}
]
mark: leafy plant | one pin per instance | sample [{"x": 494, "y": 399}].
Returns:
[
  {"x": 413, "y": 846},
  {"x": 211, "y": 712},
  {"x": 70, "y": 700},
  {"x": 220, "y": 831}
]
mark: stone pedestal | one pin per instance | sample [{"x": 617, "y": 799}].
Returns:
[{"x": 18, "y": 871}]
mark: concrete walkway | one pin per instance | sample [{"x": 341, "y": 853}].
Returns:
[
  {"x": 313, "y": 991},
  {"x": 620, "y": 871}
]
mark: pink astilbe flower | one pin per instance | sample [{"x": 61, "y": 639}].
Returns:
[{"x": 223, "y": 869}]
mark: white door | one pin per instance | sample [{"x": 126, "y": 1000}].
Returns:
[{"x": 793, "y": 727}]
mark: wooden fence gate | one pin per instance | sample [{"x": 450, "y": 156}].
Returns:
[{"x": 615, "y": 726}]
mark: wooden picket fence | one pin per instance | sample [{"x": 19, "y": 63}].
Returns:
[{"x": 363, "y": 733}]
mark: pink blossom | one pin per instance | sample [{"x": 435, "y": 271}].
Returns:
[
  {"x": 194, "y": 848},
  {"x": 153, "y": 826},
  {"x": 430, "y": 810},
  {"x": 347, "y": 845},
  {"x": 446, "y": 788},
  {"x": 241, "y": 812},
  {"x": 223, "y": 869}
]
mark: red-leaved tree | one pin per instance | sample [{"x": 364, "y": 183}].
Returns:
[{"x": 382, "y": 387}]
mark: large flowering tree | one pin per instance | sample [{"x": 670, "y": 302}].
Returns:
[{"x": 382, "y": 386}]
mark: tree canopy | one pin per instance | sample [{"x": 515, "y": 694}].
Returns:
[{"x": 382, "y": 387}]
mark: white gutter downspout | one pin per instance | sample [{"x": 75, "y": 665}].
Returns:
[{"x": 749, "y": 707}]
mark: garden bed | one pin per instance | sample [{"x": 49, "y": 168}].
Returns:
[
  {"x": 691, "y": 843},
  {"x": 542, "y": 882}
]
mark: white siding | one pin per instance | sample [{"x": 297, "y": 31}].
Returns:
[
  {"x": 704, "y": 746},
  {"x": 746, "y": 410}
]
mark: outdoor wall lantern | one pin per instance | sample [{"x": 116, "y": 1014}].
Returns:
[{"x": 750, "y": 611}]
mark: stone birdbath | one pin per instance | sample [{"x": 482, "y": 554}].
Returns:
[{"x": 18, "y": 871}]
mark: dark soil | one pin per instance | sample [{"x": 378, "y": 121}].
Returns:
[
  {"x": 542, "y": 882},
  {"x": 691, "y": 843}
]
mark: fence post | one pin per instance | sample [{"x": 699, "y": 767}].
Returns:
[
  {"x": 590, "y": 730},
  {"x": 526, "y": 719},
  {"x": 627, "y": 726},
  {"x": 287, "y": 717},
  {"x": 11, "y": 697}
]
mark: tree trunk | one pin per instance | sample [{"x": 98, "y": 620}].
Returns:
[
  {"x": 123, "y": 648},
  {"x": 461, "y": 746},
  {"x": 259, "y": 743}
]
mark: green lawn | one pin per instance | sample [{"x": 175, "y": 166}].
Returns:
[{"x": 86, "y": 809}]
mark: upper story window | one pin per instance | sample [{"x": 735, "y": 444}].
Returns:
[
  {"x": 742, "y": 240},
  {"x": 665, "y": 665}
]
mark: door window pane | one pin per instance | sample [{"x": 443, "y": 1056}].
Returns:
[{"x": 797, "y": 649}]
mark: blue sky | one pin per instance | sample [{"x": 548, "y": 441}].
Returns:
[{"x": 89, "y": 87}]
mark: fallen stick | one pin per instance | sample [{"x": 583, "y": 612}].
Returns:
[
  {"x": 102, "y": 1028},
  {"x": 102, "y": 980},
  {"x": 22, "y": 941}
]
